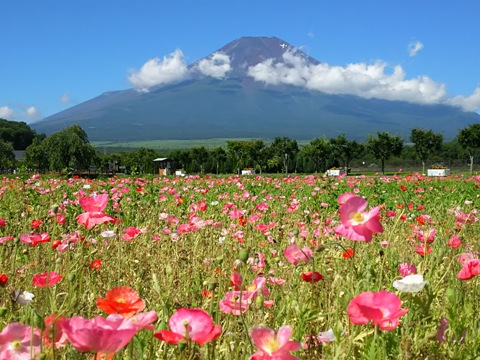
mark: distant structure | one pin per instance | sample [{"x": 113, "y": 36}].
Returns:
[{"x": 165, "y": 166}]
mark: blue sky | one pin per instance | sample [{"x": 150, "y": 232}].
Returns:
[{"x": 55, "y": 54}]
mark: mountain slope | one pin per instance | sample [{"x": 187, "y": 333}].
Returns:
[{"x": 202, "y": 107}]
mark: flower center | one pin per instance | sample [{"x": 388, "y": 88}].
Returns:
[
  {"x": 272, "y": 346},
  {"x": 358, "y": 217},
  {"x": 16, "y": 345}
]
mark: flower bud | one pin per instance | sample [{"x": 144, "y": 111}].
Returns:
[
  {"x": 3, "y": 311},
  {"x": 54, "y": 208},
  {"x": 243, "y": 255}
]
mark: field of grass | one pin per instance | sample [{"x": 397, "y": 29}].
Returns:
[{"x": 213, "y": 268}]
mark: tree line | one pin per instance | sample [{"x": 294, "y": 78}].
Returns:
[{"x": 70, "y": 149}]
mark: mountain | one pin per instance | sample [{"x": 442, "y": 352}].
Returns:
[{"x": 201, "y": 106}]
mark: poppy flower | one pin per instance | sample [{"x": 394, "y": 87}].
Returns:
[
  {"x": 53, "y": 333},
  {"x": 348, "y": 254},
  {"x": 407, "y": 269},
  {"x": 3, "y": 222},
  {"x": 121, "y": 300},
  {"x": 94, "y": 214},
  {"x": 470, "y": 269},
  {"x": 273, "y": 346},
  {"x": 294, "y": 254},
  {"x": 383, "y": 308},
  {"x": 46, "y": 279},
  {"x": 3, "y": 280},
  {"x": 36, "y": 224},
  {"x": 410, "y": 283},
  {"x": 191, "y": 325},
  {"x": 99, "y": 335},
  {"x": 19, "y": 341},
  {"x": 310, "y": 276},
  {"x": 357, "y": 224},
  {"x": 96, "y": 264}
]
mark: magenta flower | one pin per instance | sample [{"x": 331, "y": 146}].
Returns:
[
  {"x": 19, "y": 341},
  {"x": 190, "y": 324},
  {"x": 236, "y": 302},
  {"x": 273, "y": 346},
  {"x": 470, "y": 269},
  {"x": 99, "y": 334},
  {"x": 357, "y": 224},
  {"x": 46, "y": 279},
  {"x": 383, "y": 308},
  {"x": 294, "y": 254},
  {"x": 407, "y": 269},
  {"x": 94, "y": 214}
]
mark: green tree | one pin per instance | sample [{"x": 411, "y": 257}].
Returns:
[
  {"x": 469, "y": 140},
  {"x": 16, "y": 132},
  {"x": 244, "y": 153},
  {"x": 69, "y": 148},
  {"x": 7, "y": 158},
  {"x": 383, "y": 146},
  {"x": 345, "y": 150},
  {"x": 318, "y": 151},
  {"x": 36, "y": 155},
  {"x": 425, "y": 143},
  {"x": 199, "y": 156},
  {"x": 141, "y": 161},
  {"x": 283, "y": 151},
  {"x": 218, "y": 156}
]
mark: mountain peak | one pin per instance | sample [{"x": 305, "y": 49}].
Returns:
[{"x": 252, "y": 50}]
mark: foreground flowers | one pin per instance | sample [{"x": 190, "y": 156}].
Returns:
[
  {"x": 383, "y": 308},
  {"x": 357, "y": 224},
  {"x": 273, "y": 346},
  {"x": 18, "y": 341},
  {"x": 191, "y": 325},
  {"x": 99, "y": 335}
]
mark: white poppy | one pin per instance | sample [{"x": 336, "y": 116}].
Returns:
[
  {"x": 23, "y": 297},
  {"x": 410, "y": 283}
]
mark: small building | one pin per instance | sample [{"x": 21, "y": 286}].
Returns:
[{"x": 165, "y": 166}]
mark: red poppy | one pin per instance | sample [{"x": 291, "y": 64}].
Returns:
[
  {"x": 46, "y": 279},
  {"x": 310, "y": 276},
  {"x": 36, "y": 224},
  {"x": 3, "y": 222},
  {"x": 121, "y": 300},
  {"x": 3, "y": 280},
  {"x": 96, "y": 264},
  {"x": 348, "y": 254},
  {"x": 403, "y": 187}
]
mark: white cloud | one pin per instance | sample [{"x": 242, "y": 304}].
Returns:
[
  {"x": 6, "y": 112},
  {"x": 65, "y": 99},
  {"x": 468, "y": 103},
  {"x": 414, "y": 48},
  {"x": 32, "y": 113},
  {"x": 361, "y": 79},
  {"x": 217, "y": 66},
  {"x": 154, "y": 72}
]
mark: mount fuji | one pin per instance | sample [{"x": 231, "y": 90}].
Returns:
[{"x": 248, "y": 89}]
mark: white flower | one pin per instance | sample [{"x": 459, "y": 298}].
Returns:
[
  {"x": 326, "y": 336},
  {"x": 410, "y": 283},
  {"x": 23, "y": 297},
  {"x": 108, "y": 234},
  {"x": 86, "y": 186}
]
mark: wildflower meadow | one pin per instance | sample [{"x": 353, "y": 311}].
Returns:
[{"x": 251, "y": 267}]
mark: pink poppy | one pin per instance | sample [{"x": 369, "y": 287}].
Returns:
[
  {"x": 407, "y": 269},
  {"x": 19, "y": 341},
  {"x": 454, "y": 242},
  {"x": 46, "y": 279},
  {"x": 294, "y": 254},
  {"x": 470, "y": 269},
  {"x": 383, "y": 308},
  {"x": 273, "y": 346},
  {"x": 131, "y": 233},
  {"x": 236, "y": 302},
  {"x": 99, "y": 334},
  {"x": 190, "y": 324},
  {"x": 94, "y": 214},
  {"x": 35, "y": 239},
  {"x": 357, "y": 224}
]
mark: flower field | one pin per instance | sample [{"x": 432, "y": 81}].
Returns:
[{"x": 240, "y": 268}]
